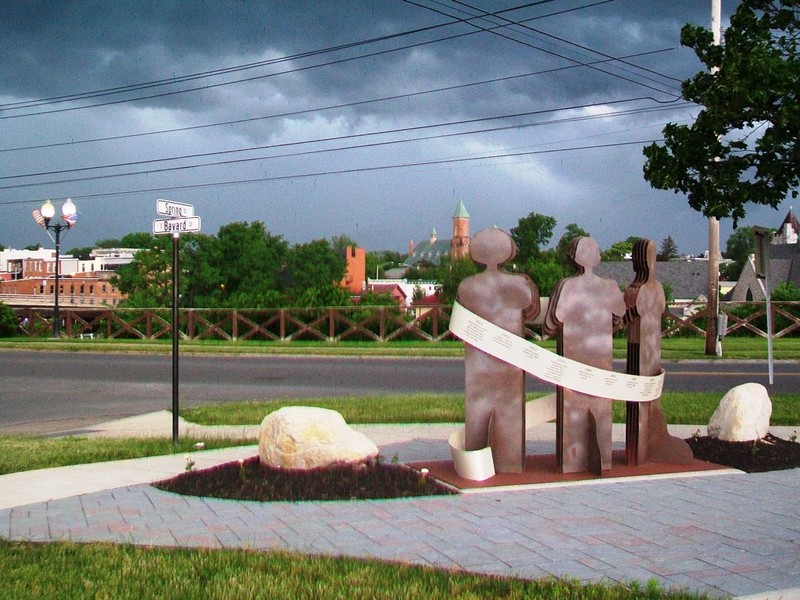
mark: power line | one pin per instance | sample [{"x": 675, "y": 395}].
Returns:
[
  {"x": 341, "y": 171},
  {"x": 493, "y": 30},
  {"x": 321, "y": 140},
  {"x": 621, "y": 60},
  {"x": 321, "y": 151},
  {"x": 317, "y": 109},
  {"x": 242, "y": 67},
  {"x": 304, "y": 55}
]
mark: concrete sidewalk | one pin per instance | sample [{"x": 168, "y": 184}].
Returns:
[{"x": 728, "y": 535}]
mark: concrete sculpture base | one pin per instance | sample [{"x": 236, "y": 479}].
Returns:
[{"x": 542, "y": 470}]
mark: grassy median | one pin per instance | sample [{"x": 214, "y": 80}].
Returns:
[{"x": 67, "y": 571}]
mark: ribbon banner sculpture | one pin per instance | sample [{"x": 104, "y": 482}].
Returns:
[
  {"x": 581, "y": 313},
  {"x": 549, "y": 366}
]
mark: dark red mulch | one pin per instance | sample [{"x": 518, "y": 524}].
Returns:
[
  {"x": 768, "y": 454},
  {"x": 374, "y": 480},
  {"x": 250, "y": 481}
]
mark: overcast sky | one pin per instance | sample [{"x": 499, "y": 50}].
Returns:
[{"x": 370, "y": 119}]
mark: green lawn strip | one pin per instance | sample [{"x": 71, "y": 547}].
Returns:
[
  {"x": 680, "y": 408},
  {"x": 64, "y": 570},
  {"x": 23, "y": 453},
  {"x": 673, "y": 348}
]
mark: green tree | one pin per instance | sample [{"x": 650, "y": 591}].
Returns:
[
  {"x": 251, "y": 259},
  {"x": 9, "y": 322},
  {"x": 668, "y": 250},
  {"x": 546, "y": 272},
  {"x": 339, "y": 243},
  {"x": 313, "y": 265},
  {"x": 450, "y": 273},
  {"x": 786, "y": 292},
  {"x": 322, "y": 295},
  {"x": 571, "y": 232},
  {"x": 531, "y": 234},
  {"x": 738, "y": 248},
  {"x": 202, "y": 269},
  {"x": 136, "y": 240},
  {"x": 148, "y": 279},
  {"x": 83, "y": 253},
  {"x": 380, "y": 261},
  {"x": 743, "y": 145},
  {"x": 619, "y": 250}
]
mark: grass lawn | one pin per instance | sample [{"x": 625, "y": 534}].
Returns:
[
  {"x": 67, "y": 571},
  {"x": 20, "y": 453},
  {"x": 23, "y": 453},
  {"x": 679, "y": 408}
]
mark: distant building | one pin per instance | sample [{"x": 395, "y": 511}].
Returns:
[
  {"x": 355, "y": 275},
  {"x": 686, "y": 279},
  {"x": 404, "y": 291},
  {"x": 433, "y": 249},
  {"x": 27, "y": 277},
  {"x": 784, "y": 264}
]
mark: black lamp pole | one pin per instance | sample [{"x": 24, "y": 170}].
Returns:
[
  {"x": 44, "y": 218},
  {"x": 57, "y": 228}
]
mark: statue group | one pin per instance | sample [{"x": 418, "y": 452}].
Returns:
[{"x": 581, "y": 314}]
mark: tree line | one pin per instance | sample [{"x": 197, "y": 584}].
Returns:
[{"x": 245, "y": 265}]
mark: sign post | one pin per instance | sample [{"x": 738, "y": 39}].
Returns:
[
  {"x": 180, "y": 218},
  {"x": 761, "y": 241}
]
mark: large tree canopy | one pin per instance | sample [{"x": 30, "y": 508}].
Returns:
[
  {"x": 531, "y": 234},
  {"x": 743, "y": 145}
]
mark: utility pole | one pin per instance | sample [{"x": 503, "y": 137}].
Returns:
[{"x": 713, "y": 345}]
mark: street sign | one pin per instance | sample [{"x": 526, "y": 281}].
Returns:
[
  {"x": 185, "y": 225},
  {"x": 174, "y": 209}
]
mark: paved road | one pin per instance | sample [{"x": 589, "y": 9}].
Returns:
[{"x": 47, "y": 392}]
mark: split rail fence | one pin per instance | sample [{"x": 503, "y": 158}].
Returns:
[{"x": 356, "y": 323}]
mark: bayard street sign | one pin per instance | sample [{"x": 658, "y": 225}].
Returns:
[
  {"x": 182, "y": 225},
  {"x": 169, "y": 208}
]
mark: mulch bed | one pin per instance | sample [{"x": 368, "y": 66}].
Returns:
[
  {"x": 768, "y": 454},
  {"x": 248, "y": 480}
]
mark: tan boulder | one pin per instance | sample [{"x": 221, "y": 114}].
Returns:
[
  {"x": 742, "y": 415},
  {"x": 302, "y": 437}
]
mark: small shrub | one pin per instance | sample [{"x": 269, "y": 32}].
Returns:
[{"x": 9, "y": 322}]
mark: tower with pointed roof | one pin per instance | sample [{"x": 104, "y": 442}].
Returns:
[
  {"x": 788, "y": 230},
  {"x": 459, "y": 244}
]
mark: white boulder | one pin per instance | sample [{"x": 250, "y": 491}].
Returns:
[
  {"x": 742, "y": 415},
  {"x": 302, "y": 437}
]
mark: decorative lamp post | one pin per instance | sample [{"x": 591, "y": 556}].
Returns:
[{"x": 43, "y": 217}]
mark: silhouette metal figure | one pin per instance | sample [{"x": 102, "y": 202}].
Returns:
[
  {"x": 495, "y": 390},
  {"x": 646, "y": 435},
  {"x": 581, "y": 315}
]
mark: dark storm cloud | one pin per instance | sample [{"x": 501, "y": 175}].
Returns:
[{"x": 417, "y": 53}]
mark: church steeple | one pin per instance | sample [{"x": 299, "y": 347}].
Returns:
[{"x": 459, "y": 245}]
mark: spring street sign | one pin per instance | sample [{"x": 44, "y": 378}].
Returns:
[{"x": 169, "y": 208}]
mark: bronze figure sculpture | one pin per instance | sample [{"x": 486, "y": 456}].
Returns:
[
  {"x": 581, "y": 315},
  {"x": 495, "y": 390}
]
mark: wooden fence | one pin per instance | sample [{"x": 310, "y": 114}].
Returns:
[{"x": 356, "y": 323}]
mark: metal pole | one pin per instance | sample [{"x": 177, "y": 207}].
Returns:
[
  {"x": 175, "y": 324},
  {"x": 713, "y": 344},
  {"x": 56, "y": 314},
  {"x": 769, "y": 335}
]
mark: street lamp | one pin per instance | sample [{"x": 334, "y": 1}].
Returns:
[{"x": 43, "y": 217}]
